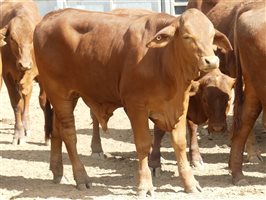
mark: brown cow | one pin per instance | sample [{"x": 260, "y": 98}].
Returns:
[
  {"x": 222, "y": 15},
  {"x": 145, "y": 65},
  {"x": 250, "y": 47},
  {"x": 17, "y": 23}
]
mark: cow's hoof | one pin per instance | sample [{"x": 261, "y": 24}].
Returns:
[
  {"x": 156, "y": 172},
  {"x": 240, "y": 181},
  {"x": 197, "y": 164},
  {"x": 99, "y": 156},
  {"x": 19, "y": 141},
  {"x": 47, "y": 142},
  {"x": 57, "y": 179},
  {"x": 193, "y": 189},
  {"x": 144, "y": 193},
  {"x": 28, "y": 133},
  {"x": 15, "y": 141},
  {"x": 255, "y": 158},
  {"x": 22, "y": 141},
  {"x": 83, "y": 186}
]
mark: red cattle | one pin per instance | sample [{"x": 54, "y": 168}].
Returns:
[
  {"x": 222, "y": 14},
  {"x": 143, "y": 64},
  {"x": 17, "y": 23},
  {"x": 250, "y": 49}
]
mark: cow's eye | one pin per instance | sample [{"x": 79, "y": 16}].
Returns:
[{"x": 187, "y": 37}]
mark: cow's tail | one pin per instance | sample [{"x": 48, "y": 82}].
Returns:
[
  {"x": 239, "y": 93},
  {"x": 48, "y": 117}
]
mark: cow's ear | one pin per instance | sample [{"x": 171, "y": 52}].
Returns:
[
  {"x": 194, "y": 88},
  {"x": 163, "y": 37},
  {"x": 3, "y": 33},
  {"x": 222, "y": 42},
  {"x": 232, "y": 81}
]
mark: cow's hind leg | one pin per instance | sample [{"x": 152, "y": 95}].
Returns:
[
  {"x": 64, "y": 113},
  {"x": 194, "y": 153},
  {"x": 251, "y": 109},
  {"x": 155, "y": 155},
  {"x": 48, "y": 114},
  {"x": 96, "y": 145},
  {"x": 56, "y": 163},
  {"x": 252, "y": 149},
  {"x": 17, "y": 103},
  {"x": 143, "y": 141}
]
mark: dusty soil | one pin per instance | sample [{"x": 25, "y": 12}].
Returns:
[{"x": 24, "y": 170}]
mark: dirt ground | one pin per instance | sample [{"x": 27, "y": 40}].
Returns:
[{"x": 24, "y": 170}]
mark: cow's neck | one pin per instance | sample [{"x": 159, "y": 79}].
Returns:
[{"x": 177, "y": 69}]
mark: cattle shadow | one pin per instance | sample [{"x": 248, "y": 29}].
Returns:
[
  {"x": 122, "y": 135},
  {"x": 123, "y": 175},
  {"x": 117, "y": 162},
  {"x": 39, "y": 188}
]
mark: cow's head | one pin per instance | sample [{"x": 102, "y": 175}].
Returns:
[
  {"x": 194, "y": 37},
  {"x": 19, "y": 37},
  {"x": 215, "y": 92}
]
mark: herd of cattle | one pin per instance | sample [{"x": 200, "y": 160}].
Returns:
[{"x": 176, "y": 71}]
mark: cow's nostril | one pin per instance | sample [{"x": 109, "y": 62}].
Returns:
[
  {"x": 24, "y": 67},
  {"x": 207, "y": 61}
]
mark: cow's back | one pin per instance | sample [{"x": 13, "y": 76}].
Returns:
[{"x": 91, "y": 56}]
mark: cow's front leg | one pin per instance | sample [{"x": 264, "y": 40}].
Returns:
[
  {"x": 179, "y": 143},
  {"x": 17, "y": 103},
  {"x": 25, "y": 113},
  {"x": 142, "y": 138}
]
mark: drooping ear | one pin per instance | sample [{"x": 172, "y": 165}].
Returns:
[
  {"x": 163, "y": 37},
  {"x": 222, "y": 42},
  {"x": 231, "y": 81},
  {"x": 3, "y": 32},
  {"x": 194, "y": 88}
]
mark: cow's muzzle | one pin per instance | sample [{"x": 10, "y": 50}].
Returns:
[
  {"x": 24, "y": 66},
  {"x": 209, "y": 63}
]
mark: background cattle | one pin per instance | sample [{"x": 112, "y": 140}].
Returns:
[
  {"x": 250, "y": 49},
  {"x": 17, "y": 23},
  {"x": 145, "y": 65},
  {"x": 222, "y": 14}
]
